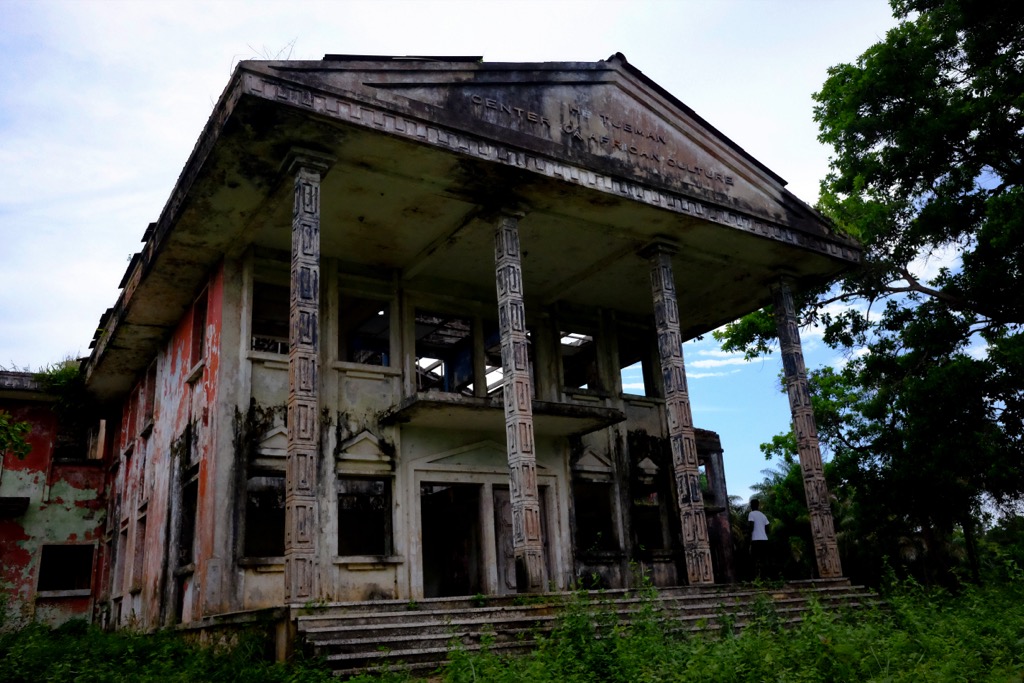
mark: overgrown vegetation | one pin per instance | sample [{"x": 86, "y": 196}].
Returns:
[
  {"x": 83, "y": 653},
  {"x": 74, "y": 409},
  {"x": 13, "y": 436},
  {"x": 920, "y": 635}
]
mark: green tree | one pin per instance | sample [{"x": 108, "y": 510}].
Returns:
[{"x": 927, "y": 416}]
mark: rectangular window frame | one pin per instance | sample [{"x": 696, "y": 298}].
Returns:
[
  {"x": 56, "y": 557},
  {"x": 387, "y": 521}
]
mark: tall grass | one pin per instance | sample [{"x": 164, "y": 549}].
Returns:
[{"x": 919, "y": 635}]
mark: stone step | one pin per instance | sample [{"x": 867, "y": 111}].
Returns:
[
  {"x": 387, "y": 635},
  {"x": 398, "y": 637},
  {"x": 335, "y": 620}
]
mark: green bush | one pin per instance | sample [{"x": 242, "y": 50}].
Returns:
[{"x": 920, "y": 635}]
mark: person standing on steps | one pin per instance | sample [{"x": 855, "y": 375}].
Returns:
[{"x": 758, "y": 536}]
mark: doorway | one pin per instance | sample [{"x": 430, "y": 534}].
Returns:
[{"x": 450, "y": 517}]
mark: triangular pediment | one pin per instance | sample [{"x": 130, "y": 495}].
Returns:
[
  {"x": 363, "y": 447},
  {"x": 364, "y": 453},
  {"x": 648, "y": 467},
  {"x": 594, "y": 462},
  {"x": 605, "y": 117},
  {"x": 274, "y": 443}
]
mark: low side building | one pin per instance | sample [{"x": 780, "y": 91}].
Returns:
[{"x": 52, "y": 514}]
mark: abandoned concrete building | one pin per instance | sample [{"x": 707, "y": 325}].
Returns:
[{"x": 372, "y": 347}]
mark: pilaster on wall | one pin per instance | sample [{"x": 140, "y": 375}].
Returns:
[
  {"x": 522, "y": 458},
  {"x": 823, "y": 534},
  {"x": 300, "y": 568},
  {"x": 680, "y": 420}
]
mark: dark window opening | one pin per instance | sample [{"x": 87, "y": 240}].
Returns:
[
  {"x": 130, "y": 417},
  {"x": 579, "y": 361},
  {"x": 264, "y": 515},
  {"x": 364, "y": 516},
  {"x": 149, "y": 405},
  {"x": 187, "y": 537},
  {"x": 636, "y": 363},
  {"x": 269, "y": 318},
  {"x": 444, "y": 353},
  {"x": 595, "y": 526},
  {"x": 365, "y": 331},
  {"x": 199, "y": 329},
  {"x": 646, "y": 519},
  {"x": 65, "y": 568}
]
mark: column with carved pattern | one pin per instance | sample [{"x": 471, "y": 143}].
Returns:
[
  {"x": 300, "y": 567},
  {"x": 823, "y": 533},
  {"x": 522, "y": 458},
  {"x": 696, "y": 548}
]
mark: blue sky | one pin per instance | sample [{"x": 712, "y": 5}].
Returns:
[{"x": 101, "y": 103}]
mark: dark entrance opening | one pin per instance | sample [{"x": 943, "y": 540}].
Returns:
[{"x": 450, "y": 515}]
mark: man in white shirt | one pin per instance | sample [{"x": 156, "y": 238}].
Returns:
[{"x": 758, "y": 536}]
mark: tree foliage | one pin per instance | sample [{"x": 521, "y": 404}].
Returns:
[{"x": 926, "y": 419}]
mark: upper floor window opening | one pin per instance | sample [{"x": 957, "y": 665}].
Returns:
[
  {"x": 444, "y": 353},
  {"x": 580, "y": 368},
  {"x": 364, "y": 326},
  {"x": 199, "y": 322},
  {"x": 269, "y": 318},
  {"x": 638, "y": 362}
]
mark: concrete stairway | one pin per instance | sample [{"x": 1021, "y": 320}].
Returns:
[{"x": 417, "y": 636}]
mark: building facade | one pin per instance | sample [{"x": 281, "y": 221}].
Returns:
[
  {"x": 373, "y": 346},
  {"x": 52, "y": 513}
]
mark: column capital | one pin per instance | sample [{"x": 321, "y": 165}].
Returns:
[
  {"x": 784, "y": 284},
  {"x": 659, "y": 245},
  {"x": 299, "y": 158}
]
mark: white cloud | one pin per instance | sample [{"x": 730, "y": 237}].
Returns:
[
  {"x": 718, "y": 362},
  {"x": 703, "y": 375}
]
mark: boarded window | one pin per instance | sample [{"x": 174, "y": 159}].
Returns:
[
  {"x": 139, "y": 559},
  {"x": 365, "y": 326},
  {"x": 264, "y": 515},
  {"x": 364, "y": 516},
  {"x": 65, "y": 568},
  {"x": 269, "y": 318},
  {"x": 122, "y": 559}
]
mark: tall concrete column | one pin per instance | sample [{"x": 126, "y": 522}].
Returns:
[
  {"x": 300, "y": 570},
  {"x": 678, "y": 416},
  {"x": 823, "y": 531},
  {"x": 522, "y": 458}
]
